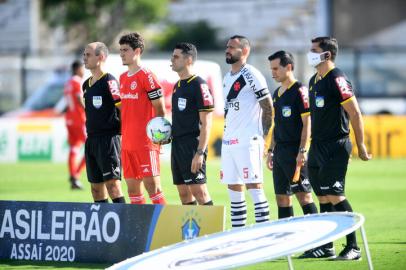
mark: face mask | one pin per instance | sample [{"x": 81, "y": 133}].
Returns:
[{"x": 316, "y": 58}]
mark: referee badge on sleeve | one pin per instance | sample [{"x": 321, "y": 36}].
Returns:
[
  {"x": 286, "y": 111},
  {"x": 182, "y": 104},
  {"x": 97, "y": 101}
]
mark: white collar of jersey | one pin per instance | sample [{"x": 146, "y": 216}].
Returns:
[{"x": 232, "y": 74}]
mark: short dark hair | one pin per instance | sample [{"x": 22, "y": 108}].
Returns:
[
  {"x": 284, "y": 57},
  {"x": 134, "y": 40},
  {"x": 327, "y": 44},
  {"x": 187, "y": 49},
  {"x": 245, "y": 43},
  {"x": 101, "y": 48},
  {"x": 76, "y": 65}
]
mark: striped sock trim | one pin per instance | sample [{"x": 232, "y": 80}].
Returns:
[
  {"x": 158, "y": 198},
  {"x": 238, "y": 214},
  {"x": 261, "y": 212},
  {"x": 137, "y": 199}
]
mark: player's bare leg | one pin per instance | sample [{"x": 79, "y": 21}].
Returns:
[
  {"x": 306, "y": 202},
  {"x": 201, "y": 194},
  {"x": 99, "y": 192},
  {"x": 185, "y": 195},
  {"x": 135, "y": 188},
  {"x": 114, "y": 189},
  {"x": 153, "y": 186}
]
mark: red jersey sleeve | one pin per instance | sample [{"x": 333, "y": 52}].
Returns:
[
  {"x": 344, "y": 88},
  {"x": 151, "y": 85}
]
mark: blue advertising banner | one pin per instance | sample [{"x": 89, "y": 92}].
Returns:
[
  {"x": 98, "y": 233},
  {"x": 69, "y": 232}
]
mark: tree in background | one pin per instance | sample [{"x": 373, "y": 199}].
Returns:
[
  {"x": 103, "y": 20},
  {"x": 199, "y": 33}
]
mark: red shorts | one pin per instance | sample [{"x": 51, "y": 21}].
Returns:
[
  {"x": 76, "y": 135},
  {"x": 140, "y": 163}
]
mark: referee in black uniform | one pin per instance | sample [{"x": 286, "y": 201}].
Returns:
[
  {"x": 332, "y": 106},
  {"x": 103, "y": 147},
  {"x": 290, "y": 136},
  {"x": 192, "y": 106}
]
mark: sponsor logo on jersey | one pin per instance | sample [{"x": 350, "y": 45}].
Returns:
[
  {"x": 230, "y": 142},
  {"x": 97, "y": 101},
  {"x": 320, "y": 102},
  {"x": 182, "y": 104},
  {"x": 207, "y": 97},
  {"x": 344, "y": 87},
  {"x": 133, "y": 85},
  {"x": 145, "y": 170},
  {"x": 286, "y": 111},
  {"x": 114, "y": 90},
  {"x": 129, "y": 96},
  {"x": 151, "y": 81},
  {"x": 233, "y": 104},
  {"x": 304, "y": 93}
]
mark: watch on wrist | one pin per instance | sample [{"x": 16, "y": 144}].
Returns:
[
  {"x": 302, "y": 150},
  {"x": 200, "y": 152}
]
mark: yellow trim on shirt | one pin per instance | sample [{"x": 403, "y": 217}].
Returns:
[
  {"x": 91, "y": 78},
  {"x": 345, "y": 101},
  {"x": 279, "y": 90}
]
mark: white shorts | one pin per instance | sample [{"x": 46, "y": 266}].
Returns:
[{"x": 242, "y": 164}]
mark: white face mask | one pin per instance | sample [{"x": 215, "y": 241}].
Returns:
[{"x": 314, "y": 59}]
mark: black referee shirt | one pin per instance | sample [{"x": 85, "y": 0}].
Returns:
[
  {"x": 190, "y": 97},
  {"x": 289, "y": 108},
  {"x": 329, "y": 119},
  {"x": 102, "y": 116}
]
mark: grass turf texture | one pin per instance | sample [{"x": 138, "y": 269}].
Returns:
[{"x": 377, "y": 189}]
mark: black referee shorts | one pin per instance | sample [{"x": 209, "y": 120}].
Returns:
[
  {"x": 284, "y": 166},
  {"x": 102, "y": 155},
  {"x": 327, "y": 165},
  {"x": 182, "y": 153}
]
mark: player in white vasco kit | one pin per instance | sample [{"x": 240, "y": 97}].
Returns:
[{"x": 248, "y": 118}]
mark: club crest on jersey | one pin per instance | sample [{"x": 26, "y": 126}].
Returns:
[
  {"x": 182, "y": 104},
  {"x": 133, "y": 85},
  {"x": 320, "y": 102},
  {"x": 237, "y": 86},
  {"x": 286, "y": 111},
  {"x": 97, "y": 101}
]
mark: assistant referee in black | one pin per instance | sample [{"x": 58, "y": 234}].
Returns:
[
  {"x": 103, "y": 146},
  {"x": 290, "y": 136},
  {"x": 332, "y": 106},
  {"x": 192, "y": 109}
]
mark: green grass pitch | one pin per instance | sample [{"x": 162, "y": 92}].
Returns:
[{"x": 377, "y": 189}]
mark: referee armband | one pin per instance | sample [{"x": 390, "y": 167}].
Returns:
[{"x": 155, "y": 94}]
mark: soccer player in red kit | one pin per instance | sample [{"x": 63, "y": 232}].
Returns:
[
  {"x": 141, "y": 100},
  {"x": 75, "y": 119}
]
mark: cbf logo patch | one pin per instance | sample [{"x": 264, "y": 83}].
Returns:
[
  {"x": 190, "y": 227},
  {"x": 182, "y": 104},
  {"x": 97, "y": 101},
  {"x": 286, "y": 111},
  {"x": 320, "y": 102}
]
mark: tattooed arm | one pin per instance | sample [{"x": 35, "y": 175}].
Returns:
[{"x": 267, "y": 107}]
